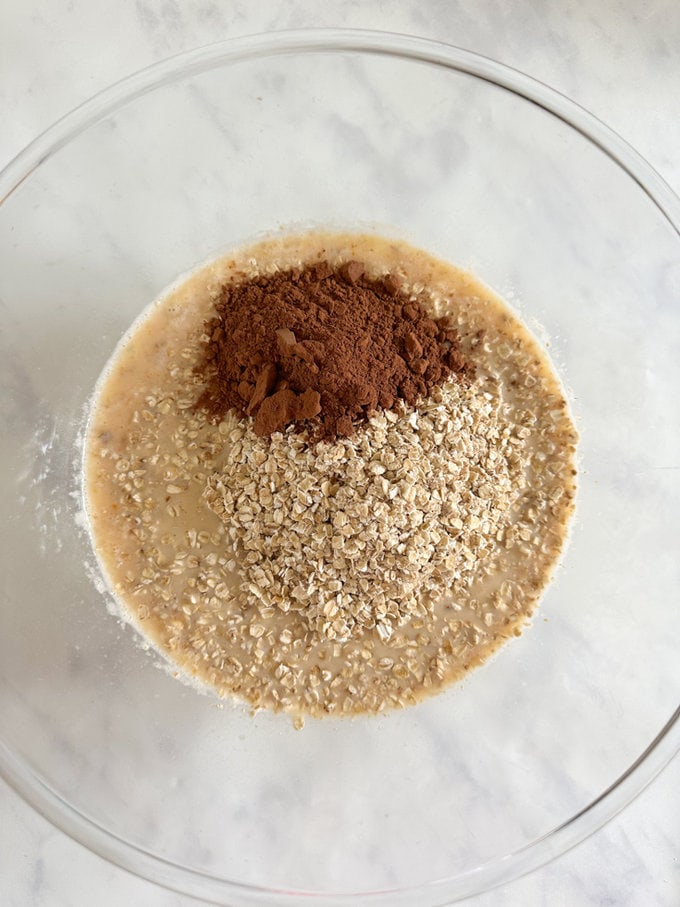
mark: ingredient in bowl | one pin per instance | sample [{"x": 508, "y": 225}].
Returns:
[
  {"x": 321, "y": 342},
  {"x": 349, "y": 574}
]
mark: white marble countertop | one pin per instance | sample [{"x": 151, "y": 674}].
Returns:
[{"x": 616, "y": 58}]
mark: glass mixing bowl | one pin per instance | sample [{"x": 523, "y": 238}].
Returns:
[{"x": 482, "y": 166}]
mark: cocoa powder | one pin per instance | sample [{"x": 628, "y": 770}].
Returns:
[{"x": 323, "y": 348}]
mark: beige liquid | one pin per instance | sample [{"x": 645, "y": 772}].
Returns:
[{"x": 167, "y": 555}]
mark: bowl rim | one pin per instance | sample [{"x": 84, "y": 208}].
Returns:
[{"x": 25, "y": 779}]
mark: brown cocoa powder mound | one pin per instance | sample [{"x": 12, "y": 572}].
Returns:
[{"x": 322, "y": 347}]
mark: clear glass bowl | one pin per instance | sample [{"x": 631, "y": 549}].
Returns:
[{"x": 484, "y": 167}]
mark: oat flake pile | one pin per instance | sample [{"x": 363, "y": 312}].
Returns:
[{"x": 329, "y": 474}]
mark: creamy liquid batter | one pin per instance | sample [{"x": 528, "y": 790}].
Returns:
[{"x": 168, "y": 557}]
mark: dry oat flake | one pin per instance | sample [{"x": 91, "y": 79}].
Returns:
[{"x": 330, "y": 577}]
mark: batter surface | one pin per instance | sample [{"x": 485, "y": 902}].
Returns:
[{"x": 340, "y": 577}]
